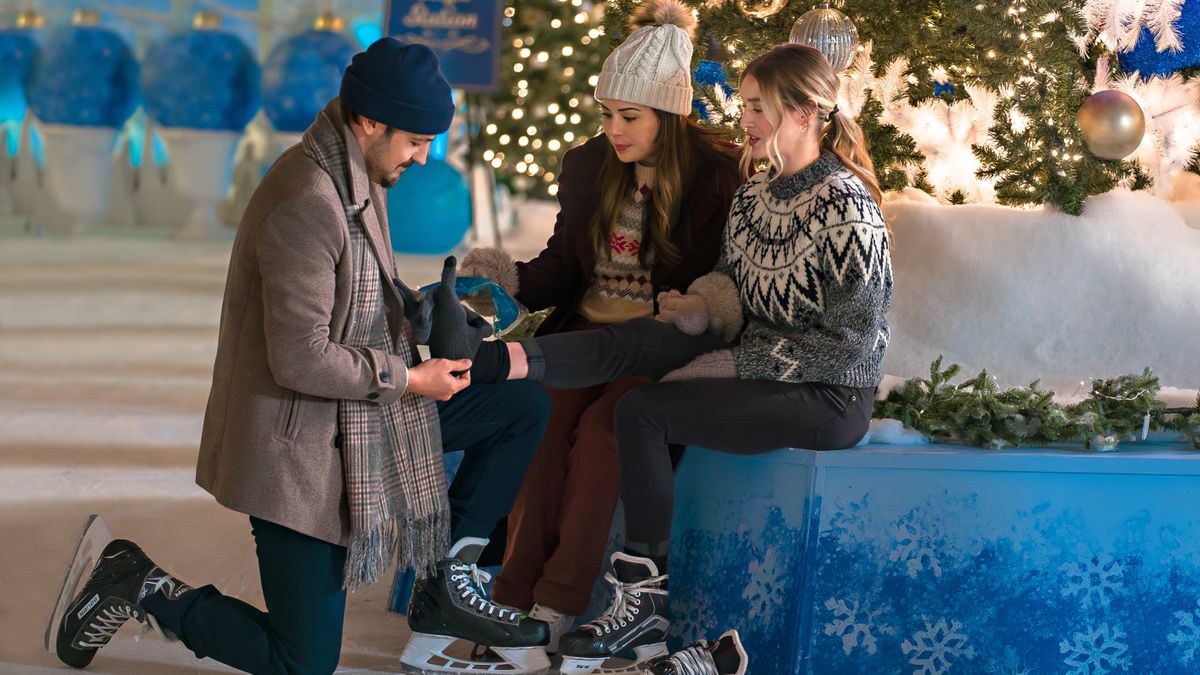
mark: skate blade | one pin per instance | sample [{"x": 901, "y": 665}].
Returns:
[
  {"x": 426, "y": 654},
  {"x": 575, "y": 664},
  {"x": 92, "y": 540}
]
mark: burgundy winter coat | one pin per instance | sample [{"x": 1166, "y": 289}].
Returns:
[{"x": 560, "y": 275}]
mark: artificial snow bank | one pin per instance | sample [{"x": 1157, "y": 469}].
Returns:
[{"x": 1042, "y": 295}]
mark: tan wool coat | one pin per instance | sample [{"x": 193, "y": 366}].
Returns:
[{"x": 270, "y": 446}]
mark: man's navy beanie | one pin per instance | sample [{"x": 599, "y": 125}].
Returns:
[{"x": 399, "y": 85}]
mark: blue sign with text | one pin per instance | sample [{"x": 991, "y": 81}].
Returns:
[{"x": 464, "y": 33}]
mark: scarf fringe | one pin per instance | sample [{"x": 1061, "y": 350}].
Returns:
[{"x": 418, "y": 545}]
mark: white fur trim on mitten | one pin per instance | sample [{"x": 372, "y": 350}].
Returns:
[
  {"x": 491, "y": 263},
  {"x": 724, "y": 302},
  {"x": 713, "y": 365}
]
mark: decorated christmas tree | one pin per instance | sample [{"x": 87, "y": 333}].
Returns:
[
  {"x": 552, "y": 53},
  {"x": 978, "y": 101}
]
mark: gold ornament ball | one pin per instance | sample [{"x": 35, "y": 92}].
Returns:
[
  {"x": 828, "y": 31},
  {"x": 761, "y": 9},
  {"x": 1112, "y": 123}
]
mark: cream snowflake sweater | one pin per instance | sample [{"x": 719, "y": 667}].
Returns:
[{"x": 805, "y": 268}]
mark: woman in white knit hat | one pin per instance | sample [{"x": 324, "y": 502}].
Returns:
[{"x": 642, "y": 207}]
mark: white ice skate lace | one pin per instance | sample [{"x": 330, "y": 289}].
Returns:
[
  {"x": 693, "y": 660},
  {"x": 470, "y": 580},
  {"x": 626, "y": 602},
  {"x": 106, "y": 624}
]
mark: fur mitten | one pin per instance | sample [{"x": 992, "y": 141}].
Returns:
[
  {"x": 724, "y": 304},
  {"x": 489, "y": 263}
]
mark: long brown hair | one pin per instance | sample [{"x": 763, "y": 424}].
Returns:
[
  {"x": 680, "y": 146},
  {"x": 798, "y": 77}
]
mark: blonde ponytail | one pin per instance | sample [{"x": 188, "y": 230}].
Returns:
[{"x": 798, "y": 77}]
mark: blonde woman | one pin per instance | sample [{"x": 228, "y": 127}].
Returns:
[{"x": 780, "y": 346}]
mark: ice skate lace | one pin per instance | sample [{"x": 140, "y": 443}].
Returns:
[
  {"x": 107, "y": 622},
  {"x": 693, "y": 660},
  {"x": 627, "y": 602},
  {"x": 469, "y": 580}
]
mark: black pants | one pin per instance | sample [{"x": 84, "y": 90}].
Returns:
[
  {"x": 498, "y": 426},
  {"x": 738, "y": 416}
]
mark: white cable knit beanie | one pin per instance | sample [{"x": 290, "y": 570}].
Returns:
[{"x": 653, "y": 67}]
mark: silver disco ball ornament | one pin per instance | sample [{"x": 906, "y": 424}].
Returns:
[{"x": 828, "y": 31}]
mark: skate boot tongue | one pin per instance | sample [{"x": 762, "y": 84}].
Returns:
[
  {"x": 728, "y": 654},
  {"x": 468, "y": 549},
  {"x": 629, "y": 569}
]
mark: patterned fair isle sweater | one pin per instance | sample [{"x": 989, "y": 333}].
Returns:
[
  {"x": 621, "y": 289},
  {"x": 809, "y": 257}
]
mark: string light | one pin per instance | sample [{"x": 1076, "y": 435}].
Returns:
[{"x": 537, "y": 127}]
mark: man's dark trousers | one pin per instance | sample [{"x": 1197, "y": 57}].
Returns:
[{"x": 497, "y": 426}]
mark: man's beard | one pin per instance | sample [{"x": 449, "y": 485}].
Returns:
[{"x": 377, "y": 174}]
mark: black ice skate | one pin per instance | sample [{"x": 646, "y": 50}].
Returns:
[
  {"x": 452, "y": 605},
  {"x": 122, "y": 577},
  {"x": 636, "y": 620},
  {"x": 726, "y": 656}
]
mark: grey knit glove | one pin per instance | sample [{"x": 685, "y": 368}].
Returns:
[
  {"x": 418, "y": 309},
  {"x": 713, "y": 365},
  {"x": 456, "y": 333}
]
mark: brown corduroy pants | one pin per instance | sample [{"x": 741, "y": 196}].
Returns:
[{"x": 558, "y": 528}]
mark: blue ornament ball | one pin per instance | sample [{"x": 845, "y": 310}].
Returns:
[
  {"x": 84, "y": 76},
  {"x": 429, "y": 210},
  {"x": 1148, "y": 61},
  {"x": 302, "y": 74},
  {"x": 201, "y": 79},
  {"x": 17, "y": 53}
]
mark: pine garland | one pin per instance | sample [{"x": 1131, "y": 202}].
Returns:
[{"x": 977, "y": 412}]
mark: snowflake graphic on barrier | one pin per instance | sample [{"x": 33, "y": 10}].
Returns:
[
  {"x": 914, "y": 549},
  {"x": 1097, "y": 579},
  {"x": 854, "y": 623},
  {"x": 933, "y": 647},
  {"x": 767, "y": 585},
  {"x": 1011, "y": 664},
  {"x": 849, "y": 522},
  {"x": 1188, "y": 636},
  {"x": 1096, "y": 651}
]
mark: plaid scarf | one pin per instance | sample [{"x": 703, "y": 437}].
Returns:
[{"x": 392, "y": 454}]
